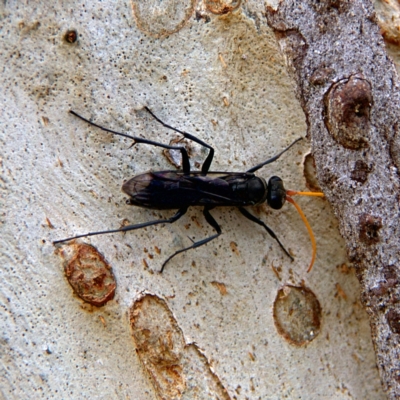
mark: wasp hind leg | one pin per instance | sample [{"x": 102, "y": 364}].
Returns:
[
  {"x": 210, "y": 219},
  {"x": 127, "y": 228}
]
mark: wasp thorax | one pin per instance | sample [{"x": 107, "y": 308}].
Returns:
[{"x": 276, "y": 193}]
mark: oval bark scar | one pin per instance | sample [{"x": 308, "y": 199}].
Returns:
[{"x": 348, "y": 106}]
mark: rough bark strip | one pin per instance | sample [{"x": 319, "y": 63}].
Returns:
[{"x": 349, "y": 91}]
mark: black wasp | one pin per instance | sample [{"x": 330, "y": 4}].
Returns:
[{"x": 178, "y": 190}]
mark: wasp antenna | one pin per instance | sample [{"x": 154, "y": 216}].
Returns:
[
  {"x": 310, "y": 232},
  {"x": 294, "y": 192}
]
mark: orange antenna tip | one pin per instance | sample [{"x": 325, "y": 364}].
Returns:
[
  {"x": 310, "y": 232},
  {"x": 294, "y": 192}
]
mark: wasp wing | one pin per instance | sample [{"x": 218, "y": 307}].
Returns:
[{"x": 174, "y": 190}]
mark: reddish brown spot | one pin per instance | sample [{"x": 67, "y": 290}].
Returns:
[
  {"x": 344, "y": 268},
  {"x": 221, "y": 6},
  {"x": 297, "y": 314},
  {"x": 234, "y": 248},
  {"x": 393, "y": 319},
  {"x": 220, "y": 286},
  {"x": 49, "y": 224},
  {"x": 71, "y": 36},
  {"x": 360, "y": 171},
  {"x": 276, "y": 272},
  {"x": 341, "y": 292},
  {"x": 103, "y": 321},
  {"x": 347, "y": 112},
  {"x": 196, "y": 221},
  {"x": 369, "y": 228},
  {"x": 88, "y": 273},
  {"x": 124, "y": 222}
]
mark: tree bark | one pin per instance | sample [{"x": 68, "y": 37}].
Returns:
[
  {"x": 213, "y": 324},
  {"x": 348, "y": 88}
]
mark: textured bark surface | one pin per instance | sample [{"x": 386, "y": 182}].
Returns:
[
  {"x": 348, "y": 88},
  {"x": 233, "y": 318}
]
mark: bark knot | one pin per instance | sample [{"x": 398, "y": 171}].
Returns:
[
  {"x": 348, "y": 106},
  {"x": 369, "y": 228}
]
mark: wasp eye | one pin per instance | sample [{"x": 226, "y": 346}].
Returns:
[{"x": 276, "y": 195}]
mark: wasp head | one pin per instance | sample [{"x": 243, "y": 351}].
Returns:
[{"x": 276, "y": 193}]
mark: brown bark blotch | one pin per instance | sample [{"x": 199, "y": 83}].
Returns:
[
  {"x": 384, "y": 293},
  {"x": 328, "y": 178},
  {"x": 221, "y": 7},
  {"x": 159, "y": 345},
  {"x": 297, "y": 314},
  {"x": 360, "y": 171},
  {"x": 71, "y": 36},
  {"x": 391, "y": 275},
  {"x": 348, "y": 106},
  {"x": 369, "y": 228},
  {"x": 393, "y": 319},
  {"x": 175, "y": 368},
  {"x": 330, "y": 6},
  {"x": 395, "y": 146},
  {"x": 88, "y": 273},
  {"x": 377, "y": 291}
]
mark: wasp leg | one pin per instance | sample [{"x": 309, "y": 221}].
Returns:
[
  {"x": 174, "y": 218},
  {"x": 207, "y": 163},
  {"x": 251, "y": 217},
  {"x": 185, "y": 157},
  {"x": 210, "y": 219},
  {"x": 272, "y": 159}
]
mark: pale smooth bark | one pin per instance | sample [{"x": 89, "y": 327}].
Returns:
[{"x": 224, "y": 79}]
